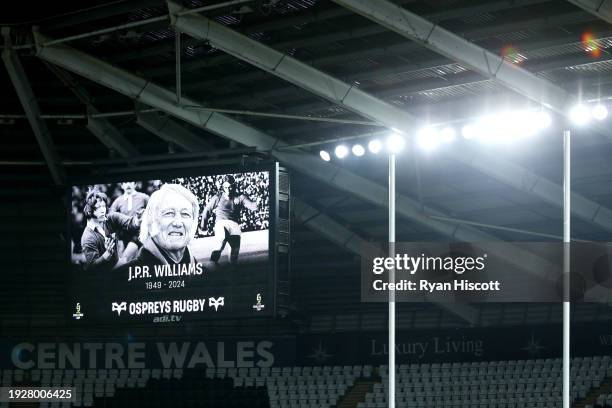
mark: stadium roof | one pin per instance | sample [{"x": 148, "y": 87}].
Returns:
[{"x": 290, "y": 77}]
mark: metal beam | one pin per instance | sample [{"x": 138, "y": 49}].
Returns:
[
  {"x": 599, "y": 8},
  {"x": 446, "y": 43},
  {"x": 403, "y": 88},
  {"x": 147, "y": 93},
  {"x": 356, "y": 100},
  {"x": 164, "y": 127},
  {"x": 399, "y": 49},
  {"x": 415, "y": 88},
  {"x": 91, "y": 14},
  {"x": 316, "y": 17},
  {"x": 101, "y": 128},
  {"x": 347, "y": 239},
  {"x": 110, "y": 137},
  {"x": 363, "y": 32},
  {"x": 160, "y": 98},
  {"x": 290, "y": 69},
  {"x": 30, "y": 106},
  {"x": 529, "y": 182},
  {"x": 328, "y": 227}
]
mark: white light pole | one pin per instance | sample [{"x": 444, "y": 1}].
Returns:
[
  {"x": 392, "y": 279},
  {"x": 579, "y": 115},
  {"x": 395, "y": 143},
  {"x": 566, "y": 267}
]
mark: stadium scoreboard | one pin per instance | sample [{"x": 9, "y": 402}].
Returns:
[{"x": 182, "y": 246}]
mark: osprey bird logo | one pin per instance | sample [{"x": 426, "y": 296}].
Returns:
[
  {"x": 220, "y": 301},
  {"x": 119, "y": 307}
]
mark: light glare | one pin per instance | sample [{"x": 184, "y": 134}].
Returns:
[
  {"x": 428, "y": 138},
  {"x": 358, "y": 150},
  {"x": 341, "y": 151},
  {"x": 448, "y": 134},
  {"x": 325, "y": 155},
  {"x": 374, "y": 146},
  {"x": 580, "y": 115},
  {"x": 506, "y": 127},
  {"x": 395, "y": 143},
  {"x": 543, "y": 120},
  {"x": 469, "y": 131},
  {"x": 600, "y": 112}
]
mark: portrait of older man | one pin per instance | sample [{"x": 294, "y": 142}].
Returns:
[{"x": 169, "y": 223}]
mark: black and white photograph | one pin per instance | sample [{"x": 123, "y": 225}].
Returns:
[{"x": 217, "y": 221}]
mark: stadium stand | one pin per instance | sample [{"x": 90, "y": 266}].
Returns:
[
  {"x": 494, "y": 384},
  {"x": 502, "y": 384}
]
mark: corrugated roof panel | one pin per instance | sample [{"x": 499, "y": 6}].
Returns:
[
  {"x": 145, "y": 13},
  {"x": 330, "y": 112},
  {"x": 560, "y": 74},
  {"x": 193, "y": 3},
  {"x": 432, "y": 72},
  {"x": 455, "y": 91},
  {"x": 547, "y": 75},
  {"x": 515, "y": 36},
  {"x": 564, "y": 49},
  {"x": 399, "y": 101},
  {"x": 259, "y": 36},
  {"x": 328, "y": 48},
  {"x": 199, "y": 49},
  {"x": 291, "y": 6},
  {"x": 598, "y": 66},
  {"x": 364, "y": 63},
  {"x": 228, "y": 20},
  {"x": 516, "y": 58},
  {"x": 483, "y": 18},
  {"x": 158, "y": 35}
]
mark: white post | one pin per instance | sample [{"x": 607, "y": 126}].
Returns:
[
  {"x": 566, "y": 268},
  {"x": 392, "y": 279}
]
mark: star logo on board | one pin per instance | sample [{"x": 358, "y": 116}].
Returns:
[
  {"x": 319, "y": 354},
  {"x": 533, "y": 346}
]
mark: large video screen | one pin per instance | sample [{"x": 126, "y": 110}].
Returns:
[{"x": 172, "y": 249}]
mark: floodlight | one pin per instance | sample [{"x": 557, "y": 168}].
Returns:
[
  {"x": 447, "y": 134},
  {"x": 491, "y": 128},
  {"x": 469, "y": 131},
  {"x": 374, "y": 146},
  {"x": 341, "y": 151},
  {"x": 543, "y": 120},
  {"x": 600, "y": 112},
  {"x": 395, "y": 143},
  {"x": 358, "y": 150},
  {"x": 325, "y": 155},
  {"x": 580, "y": 115},
  {"x": 507, "y": 127},
  {"x": 428, "y": 138}
]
